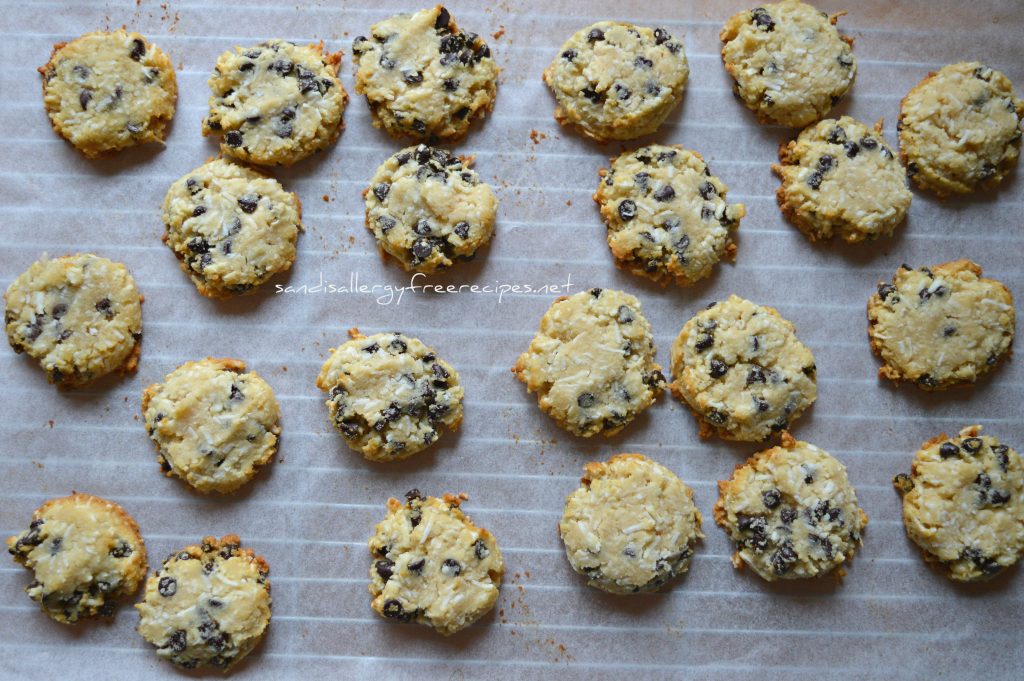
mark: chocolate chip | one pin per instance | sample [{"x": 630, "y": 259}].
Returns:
[
  {"x": 666, "y": 193},
  {"x": 787, "y": 515},
  {"x": 233, "y": 139},
  {"x": 168, "y": 586},
  {"x": 384, "y": 568},
  {"x": 755, "y": 375},
  {"x": 249, "y": 203},
  {"x": 84, "y": 97},
  {"x": 884, "y": 290},
  {"x": 846, "y": 61},
  {"x": 595, "y": 35},
  {"x": 716, "y": 417},
  {"x": 592, "y": 94},
  {"x": 868, "y": 143},
  {"x": 762, "y": 19},
  {"x": 236, "y": 393},
  {"x": 836, "y": 136},
  {"x": 814, "y": 181},
  {"x": 718, "y": 368},
  {"x": 392, "y": 608},
  {"x": 412, "y": 77},
  {"x": 178, "y": 641},
  {"x": 972, "y": 445},
  {"x": 704, "y": 342},
  {"x": 642, "y": 62},
  {"x": 771, "y": 498},
  {"x": 443, "y": 19},
  {"x": 451, "y": 567},
  {"x": 461, "y": 229},
  {"x": 707, "y": 190},
  {"x": 926, "y": 381},
  {"x": 480, "y": 549},
  {"x": 138, "y": 50},
  {"x": 586, "y": 400},
  {"x": 386, "y": 223},
  {"x": 851, "y": 149},
  {"x": 627, "y": 210},
  {"x": 569, "y": 55}
]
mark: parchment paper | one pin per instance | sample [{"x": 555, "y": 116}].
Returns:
[{"x": 312, "y": 511}]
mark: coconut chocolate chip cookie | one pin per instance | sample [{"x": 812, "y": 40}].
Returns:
[
  {"x": 617, "y": 81},
  {"x": 788, "y": 62},
  {"x": 666, "y": 213},
  {"x": 631, "y": 526},
  {"x": 212, "y": 423},
  {"x": 79, "y": 315},
  {"x": 428, "y": 209},
  {"x": 275, "y": 103},
  {"x": 841, "y": 179},
  {"x": 963, "y": 504},
  {"x": 84, "y": 553},
  {"x": 106, "y": 91},
  {"x": 390, "y": 395},
  {"x": 432, "y": 565},
  {"x": 592, "y": 362},
  {"x": 742, "y": 371},
  {"x": 208, "y": 605},
  {"x": 960, "y": 129},
  {"x": 423, "y": 77},
  {"x": 231, "y": 227},
  {"x": 940, "y": 326},
  {"x": 791, "y": 512}
]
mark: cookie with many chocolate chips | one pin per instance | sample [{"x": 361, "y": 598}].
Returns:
[
  {"x": 667, "y": 214},
  {"x": 84, "y": 553},
  {"x": 432, "y": 565},
  {"x": 275, "y": 103},
  {"x": 106, "y": 91},
  {"x": 617, "y": 81},
  {"x": 963, "y": 504},
  {"x": 428, "y": 209},
  {"x": 940, "y": 326},
  {"x": 423, "y": 77}
]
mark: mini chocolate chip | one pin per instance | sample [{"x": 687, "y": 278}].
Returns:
[
  {"x": 178, "y": 641},
  {"x": 771, "y": 498},
  {"x": 707, "y": 190},
  {"x": 569, "y": 55},
  {"x": 417, "y": 565},
  {"x": 762, "y": 19},
  {"x": 627, "y": 210},
  {"x": 845, "y": 60},
  {"x": 138, "y": 50},
  {"x": 592, "y": 94},
  {"x": 168, "y": 586},
  {"x": 868, "y": 143},
  {"x": 642, "y": 62},
  {"x": 392, "y": 608},
  {"x": 414, "y": 493},
  {"x": 755, "y": 375},
  {"x": 59, "y": 310},
  {"x": 787, "y": 515},
  {"x": 851, "y": 149},
  {"x": 84, "y": 97},
  {"x": 704, "y": 342},
  {"x": 451, "y": 567},
  {"x": 595, "y": 35},
  {"x": 718, "y": 368},
  {"x": 716, "y": 417},
  {"x": 836, "y": 136},
  {"x": 661, "y": 36},
  {"x": 249, "y": 203},
  {"x": 972, "y": 444},
  {"x": 236, "y": 393},
  {"x": 443, "y": 19},
  {"x": 480, "y": 549},
  {"x": 461, "y": 229},
  {"x": 625, "y": 315},
  {"x": 586, "y": 400},
  {"x": 666, "y": 193},
  {"x": 233, "y": 139},
  {"x": 384, "y": 568},
  {"x": 884, "y": 290}
]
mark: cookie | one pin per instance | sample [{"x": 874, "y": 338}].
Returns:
[
  {"x": 940, "y": 326},
  {"x": 390, "y": 395},
  {"x": 592, "y": 362},
  {"x": 963, "y": 504},
  {"x": 107, "y": 91},
  {"x": 213, "y": 424},
  {"x": 79, "y": 315},
  {"x": 428, "y": 209},
  {"x": 275, "y": 103},
  {"x": 423, "y": 77},
  {"x": 631, "y": 526},
  {"x": 742, "y": 371},
  {"x": 666, "y": 214},
  {"x": 84, "y": 553},
  {"x": 841, "y": 179},
  {"x": 231, "y": 227},
  {"x": 788, "y": 62},
  {"x": 207, "y": 605},
  {"x": 960, "y": 129},
  {"x": 432, "y": 565},
  {"x": 791, "y": 511},
  {"x": 617, "y": 81}
]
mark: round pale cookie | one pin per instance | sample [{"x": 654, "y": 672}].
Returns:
[
  {"x": 666, "y": 214},
  {"x": 432, "y": 565},
  {"x": 742, "y": 371},
  {"x": 788, "y": 62},
  {"x": 592, "y": 362},
  {"x": 423, "y": 77},
  {"x": 631, "y": 527},
  {"x": 940, "y": 326},
  {"x": 960, "y": 129},
  {"x": 428, "y": 209},
  {"x": 84, "y": 553},
  {"x": 276, "y": 103},
  {"x": 390, "y": 395},
  {"x": 963, "y": 504},
  {"x": 617, "y": 81},
  {"x": 791, "y": 511},
  {"x": 79, "y": 315},
  {"x": 107, "y": 91},
  {"x": 213, "y": 424},
  {"x": 208, "y": 605},
  {"x": 231, "y": 227},
  {"x": 841, "y": 179}
]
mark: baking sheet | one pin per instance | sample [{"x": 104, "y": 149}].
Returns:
[{"x": 312, "y": 511}]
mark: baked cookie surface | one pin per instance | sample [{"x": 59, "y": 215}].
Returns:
[
  {"x": 423, "y": 77},
  {"x": 213, "y": 424},
  {"x": 617, "y": 81},
  {"x": 631, "y": 526},
  {"x": 960, "y": 129},
  {"x": 592, "y": 362},
  {"x": 84, "y": 552},
  {"x": 207, "y": 605},
  {"x": 428, "y": 209},
  {"x": 667, "y": 214},
  {"x": 940, "y": 326},
  {"x": 106, "y": 91},
  {"x": 432, "y": 565},
  {"x": 742, "y": 371},
  {"x": 963, "y": 504},
  {"x": 788, "y": 62},
  {"x": 841, "y": 179},
  {"x": 791, "y": 512},
  {"x": 390, "y": 395},
  {"x": 231, "y": 227},
  {"x": 79, "y": 315},
  {"x": 275, "y": 103}
]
